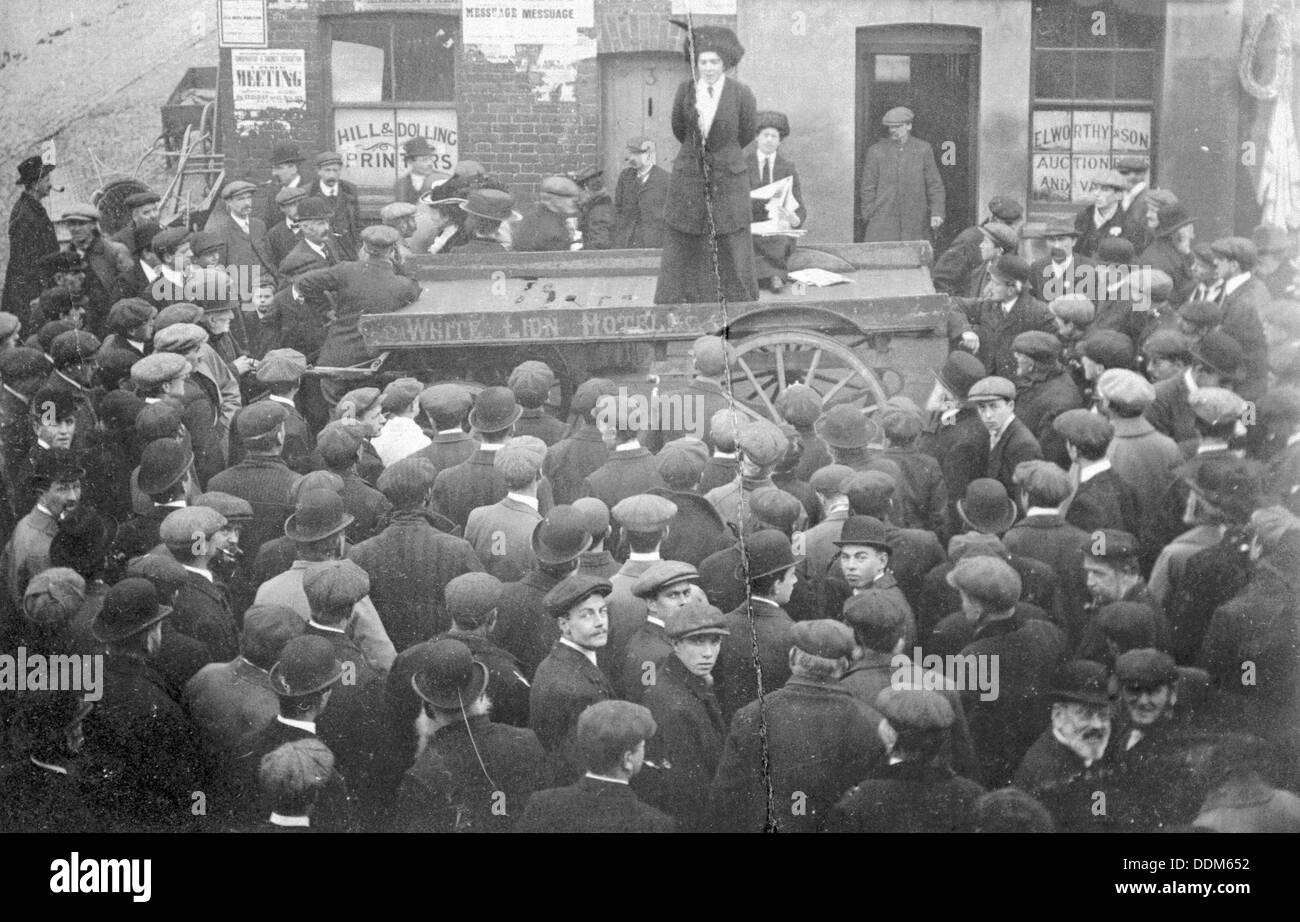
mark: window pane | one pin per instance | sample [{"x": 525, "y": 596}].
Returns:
[
  {"x": 1094, "y": 72},
  {"x": 359, "y": 61},
  {"x": 893, "y": 68},
  {"x": 1053, "y": 25},
  {"x": 1053, "y": 75},
  {"x": 1135, "y": 29},
  {"x": 1135, "y": 75},
  {"x": 425, "y": 52}
]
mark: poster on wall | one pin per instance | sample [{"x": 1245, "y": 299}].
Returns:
[
  {"x": 704, "y": 7},
  {"x": 241, "y": 23},
  {"x": 1073, "y": 148},
  {"x": 552, "y": 69},
  {"x": 371, "y": 139},
  {"x": 269, "y": 90},
  {"x": 509, "y": 22}
]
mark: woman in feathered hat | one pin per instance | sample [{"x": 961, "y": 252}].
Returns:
[
  {"x": 714, "y": 118},
  {"x": 766, "y": 165}
]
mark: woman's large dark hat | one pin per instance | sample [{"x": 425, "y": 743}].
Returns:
[{"x": 718, "y": 39}]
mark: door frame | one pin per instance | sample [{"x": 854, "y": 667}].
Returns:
[
  {"x": 610, "y": 143},
  {"x": 913, "y": 38}
]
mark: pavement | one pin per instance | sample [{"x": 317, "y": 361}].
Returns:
[{"x": 92, "y": 76}]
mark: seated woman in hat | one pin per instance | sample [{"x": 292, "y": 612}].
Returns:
[
  {"x": 439, "y": 221},
  {"x": 708, "y": 208},
  {"x": 766, "y": 166}
]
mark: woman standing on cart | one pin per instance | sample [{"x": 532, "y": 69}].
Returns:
[{"x": 708, "y": 207}]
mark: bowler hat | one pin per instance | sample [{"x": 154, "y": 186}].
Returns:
[
  {"x": 1115, "y": 251},
  {"x": 491, "y": 204},
  {"x": 285, "y": 152},
  {"x": 1171, "y": 218},
  {"x": 130, "y": 607},
  {"x": 1112, "y": 544},
  {"x": 307, "y": 665},
  {"x": 845, "y": 426},
  {"x": 863, "y": 530},
  {"x": 318, "y": 515},
  {"x": 1001, "y": 234},
  {"x": 766, "y": 552},
  {"x": 562, "y": 536},
  {"x": 451, "y": 677},
  {"x": 162, "y": 464},
  {"x": 1234, "y": 485},
  {"x": 314, "y": 208},
  {"x": 1220, "y": 352},
  {"x": 986, "y": 507},
  {"x": 960, "y": 370},
  {"x": 1083, "y": 681},
  {"x": 495, "y": 410},
  {"x": 418, "y": 147}
]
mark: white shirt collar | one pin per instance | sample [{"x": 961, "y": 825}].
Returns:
[
  {"x": 1040, "y": 510},
  {"x": 138, "y": 343},
  {"x": 172, "y": 275},
  {"x": 1208, "y": 445},
  {"x": 204, "y": 573},
  {"x": 329, "y": 191},
  {"x": 150, "y": 273},
  {"x": 1092, "y": 469},
  {"x": 1133, "y": 193},
  {"x": 40, "y": 507},
  {"x": 628, "y": 446},
  {"x": 589, "y": 654},
  {"x": 761, "y": 598},
  {"x": 994, "y": 437},
  {"x": 456, "y": 431},
  {"x": 726, "y": 455},
  {"x": 278, "y": 820},
  {"x": 651, "y": 556},
  {"x": 316, "y": 247},
  {"x": 325, "y": 627},
  {"x": 707, "y": 105},
  {"x": 1294, "y": 439},
  {"x": 241, "y": 223},
  {"x": 278, "y": 398},
  {"x": 308, "y": 725},
  {"x": 1190, "y": 380},
  {"x": 596, "y": 777},
  {"x": 1232, "y": 284},
  {"x": 490, "y": 446},
  {"x": 529, "y": 501},
  {"x": 657, "y": 622}
]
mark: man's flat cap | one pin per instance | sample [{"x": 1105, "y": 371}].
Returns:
[
  {"x": 1083, "y": 427},
  {"x": 399, "y": 395},
  {"x": 234, "y": 508},
  {"x": 874, "y": 611},
  {"x": 1147, "y": 666},
  {"x": 1108, "y": 348},
  {"x": 261, "y": 418},
  {"x": 531, "y": 379},
  {"x": 1126, "y": 389},
  {"x": 589, "y": 392},
  {"x": 380, "y": 236},
  {"x": 613, "y": 724},
  {"x": 914, "y": 709},
  {"x": 54, "y": 596},
  {"x": 180, "y": 338},
  {"x": 711, "y": 354},
  {"x": 679, "y": 467},
  {"x": 1005, "y": 208},
  {"x": 471, "y": 597},
  {"x": 1201, "y": 313},
  {"x": 993, "y": 387},
  {"x": 644, "y": 512},
  {"x": 406, "y": 479},
  {"x": 1112, "y": 544},
  {"x": 762, "y": 442},
  {"x": 182, "y": 528},
  {"x": 899, "y": 115},
  {"x": 180, "y": 312},
  {"x": 81, "y": 211},
  {"x": 1044, "y": 480},
  {"x": 844, "y": 426},
  {"x": 1115, "y": 251},
  {"x": 1131, "y": 164},
  {"x": 1009, "y": 267},
  {"x": 723, "y": 426},
  {"x": 338, "y": 445},
  {"x": 661, "y": 575},
  {"x": 290, "y": 194},
  {"x": 169, "y": 238},
  {"x": 22, "y": 362},
  {"x": 1241, "y": 249},
  {"x": 335, "y": 584},
  {"x": 571, "y": 591},
  {"x": 158, "y": 368},
  {"x": 989, "y": 580},
  {"x": 1037, "y": 345},
  {"x": 281, "y": 366},
  {"x": 73, "y": 348},
  {"x": 327, "y": 157},
  {"x": 799, "y": 405},
  {"x": 1216, "y": 405},
  {"x": 830, "y": 479},
  {"x": 561, "y": 185},
  {"x": 1073, "y": 308},
  {"x": 1112, "y": 179},
  {"x": 129, "y": 313},
  {"x": 444, "y": 401},
  {"x": 1006, "y": 239},
  {"x": 238, "y": 187},
  {"x": 396, "y": 211},
  {"x": 695, "y": 617},
  {"x": 775, "y": 507},
  {"x": 1220, "y": 352},
  {"x": 823, "y": 637},
  {"x": 1167, "y": 344}
]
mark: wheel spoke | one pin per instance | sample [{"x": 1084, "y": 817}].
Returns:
[
  {"x": 812, "y": 367},
  {"x": 744, "y": 366},
  {"x": 839, "y": 384},
  {"x": 780, "y": 368}
]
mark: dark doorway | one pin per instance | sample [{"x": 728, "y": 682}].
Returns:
[{"x": 934, "y": 71}]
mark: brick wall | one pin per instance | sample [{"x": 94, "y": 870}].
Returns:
[{"x": 501, "y": 124}]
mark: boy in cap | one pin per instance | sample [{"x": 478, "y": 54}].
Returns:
[
  {"x": 202, "y": 606},
  {"x": 761, "y": 445},
  {"x": 414, "y": 557},
  {"x": 531, "y": 383},
  {"x": 501, "y": 534},
  {"x": 595, "y": 209},
  {"x": 570, "y": 460},
  {"x": 73, "y": 354},
  {"x": 643, "y": 522},
  {"x": 959, "y": 270},
  {"x": 721, "y": 467},
  {"x": 663, "y": 588},
  {"x": 1101, "y": 498},
  {"x": 611, "y": 736},
  {"x": 1138, "y": 453},
  {"x": 281, "y": 372},
  {"x": 339, "y": 447},
  {"x": 286, "y": 176},
  {"x": 401, "y": 435},
  {"x": 696, "y": 530},
  {"x": 228, "y": 701},
  {"x": 1244, "y": 298},
  {"x": 917, "y": 791},
  {"x": 1044, "y": 388},
  {"x": 630, "y": 468},
  {"x": 1104, "y": 218},
  {"x": 691, "y": 729},
  {"x": 811, "y": 736},
  {"x": 291, "y": 778},
  {"x": 52, "y": 424},
  {"x": 282, "y": 223},
  {"x": 472, "y": 600},
  {"x": 473, "y": 773},
  {"x": 107, "y": 261},
  {"x": 568, "y": 680},
  {"x": 1009, "y": 441},
  {"x": 130, "y": 328},
  {"x": 342, "y": 198},
  {"x": 56, "y": 482}
]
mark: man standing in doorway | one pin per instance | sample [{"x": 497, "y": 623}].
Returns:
[{"x": 902, "y": 193}]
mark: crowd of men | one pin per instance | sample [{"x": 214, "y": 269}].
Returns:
[{"x": 1062, "y": 595}]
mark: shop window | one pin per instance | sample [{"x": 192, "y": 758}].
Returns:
[
  {"x": 1095, "y": 67},
  {"x": 392, "y": 78}
]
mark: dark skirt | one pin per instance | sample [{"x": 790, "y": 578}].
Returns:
[
  {"x": 686, "y": 270},
  {"x": 771, "y": 255}
]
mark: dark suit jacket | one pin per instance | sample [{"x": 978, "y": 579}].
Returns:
[
  {"x": 1135, "y": 227},
  {"x": 1106, "y": 501},
  {"x": 908, "y": 797},
  {"x": 1160, "y": 254},
  {"x": 731, "y": 131},
  {"x": 368, "y": 287},
  {"x": 537, "y": 422},
  {"x": 1090, "y": 235},
  {"x": 591, "y": 805},
  {"x": 695, "y": 532},
  {"x": 302, "y": 258},
  {"x": 1043, "y": 283},
  {"x": 781, "y": 168},
  {"x": 505, "y": 677},
  {"x": 410, "y": 563},
  {"x": 541, "y": 229},
  {"x": 640, "y": 209},
  {"x": 565, "y": 684},
  {"x": 335, "y": 810},
  {"x": 758, "y": 623},
  {"x": 957, "y": 267},
  {"x": 242, "y": 249},
  {"x": 1170, "y": 412},
  {"x": 202, "y": 610},
  {"x": 624, "y": 474},
  {"x": 299, "y": 442},
  {"x": 475, "y": 482},
  {"x": 451, "y": 449},
  {"x": 524, "y": 629},
  {"x": 267, "y": 484},
  {"x": 997, "y": 328},
  {"x": 346, "y": 220},
  {"x": 31, "y": 236},
  {"x": 1016, "y": 444}
]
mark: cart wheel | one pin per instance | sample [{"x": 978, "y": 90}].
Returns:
[{"x": 767, "y": 363}]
